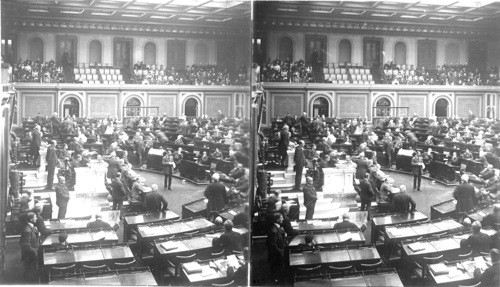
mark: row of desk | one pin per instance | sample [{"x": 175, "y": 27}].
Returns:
[
  {"x": 348, "y": 255},
  {"x": 131, "y": 221},
  {"x": 83, "y": 238},
  {"x": 458, "y": 273},
  {"x": 383, "y": 220},
  {"x": 331, "y": 238},
  {"x": 407, "y": 231},
  {"x": 210, "y": 271},
  {"x": 379, "y": 279},
  {"x": 149, "y": 232},
  {"x": 103, "y": 254},
  {"x": 135, "y": 278},
  {"x": 359, "y": 218}
]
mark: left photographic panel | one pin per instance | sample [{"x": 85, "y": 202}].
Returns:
[{"x": 127, "y": 130}]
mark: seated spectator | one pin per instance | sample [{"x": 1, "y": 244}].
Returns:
[
  {"x": 286, "y": 224},
  {"x": 478, "y": 242},
  {"x": 402, "y": 202},
  {"x": 487, "y": 173},
  {"x": 308, "y": 244},
  {"x": 467, "y": 155},
  {"x": 63, "y": 241},
  {"x": 98, "y": 223},
  {"x": 345, "y": 224},
  {"x": 230, "y": 240},
  {"x": 154, "y": 201}
]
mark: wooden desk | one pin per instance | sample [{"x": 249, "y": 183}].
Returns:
[
  {"x": 461, "y": 272},
  {"x": 134, "y": 278},
  {"x": 230, "y": 213},
  {"x": 420, "y": 229},
  {"x": 394, "y": 219},
  {"x": 84, "y": 238},
  {"x": 313, "y": 225},
  {"x": 70, "y": 256},
  {"x": 194, "y": 208},
  {"x": 213, "y": 271},
  {"x": 350, "y": 255},
  {"x": 443, "y": 210},
  {"x": 132, "y": 221},
  {"x": 66, "y": 225},
  {"x": 390, "y": 279},
  {"x": 331, "y": 238},
  {"x": 479, "y": 214}
]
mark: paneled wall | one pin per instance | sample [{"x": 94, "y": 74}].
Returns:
[
  {"x": 389, "y": 42},
  {"x": 358, "y": 101},
  {"x": 103, "y": 101}
]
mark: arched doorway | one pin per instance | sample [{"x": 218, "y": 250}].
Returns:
[
  {"x": 191, "y": 108},
  {"x": 441, "y": 109},
  {"x": 133, "y": 107},
  {"x": 71, "y": 107},
  {"x": 285, "y": 49},
  {"x": 321, "y": 107},
  {"x": 383, "y": 107}
]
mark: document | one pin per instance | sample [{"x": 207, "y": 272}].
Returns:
[
  {"x": 206, "y": 271},
  {"x": 345, "y": 236},
  {"x": 169, "y": 245},
  {"x": 439, "y": 269},
  {"x": 417, "y": 246},
  {"x": 192, "y": 267},
  {"x": 99, "y": 235}
]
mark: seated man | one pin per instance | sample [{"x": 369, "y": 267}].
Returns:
[
  {"x": 487, "y": 173},
  {"x": 478, "y": 242},
  {"x": 286, "y": 224},
  {"x": 98, "y": 223},
  {"x": 242, "y": 218},
  {"x": 492, "y": 220},
  {"x": 230, "y": 240},
  {"x": 63, "y": 243},
  {"x": 154, "y": 201},
  {"x": 217, "y": 154},
  {"x": 345, "y": 224},
  {"x": 237, "y": 172},
  {"x": 203, "y": 159},
  {"x": 402, "y": 202},
  {"x": 309, "y": 243},
  {"x": 490, "y": 276},
  {"x": 241, "y": 275},
  {"x": 137, "y": 191}
]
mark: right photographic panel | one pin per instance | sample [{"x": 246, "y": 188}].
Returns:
[{"x": 377, "y": 148}]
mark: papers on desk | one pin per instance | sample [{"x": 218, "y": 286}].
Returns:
[
  {"x": 206, "y": 271},
  {"x": 101, "y": 235},
  {"x": 168, "y": 245},
  {"x": 212, "y": 235},
  {"x": 480, "y": 263},
  {"x": 233, "y": 261},
  {"x": 294, "y": 224},
  {"x": 394, "y": 231},
  {"x": 463, "y": 236},
  {"x": 192, "y": 267},
  {"x": 454, "y": 272},
  {"x": 315, "y": 222},
  {"x": 232, "y": 212},
  {"x": 439, "y": 269},
  {"x": 482, "y": 213},
  {"x": 356, "y": 236},
  {"x": 417, "y": 246},
  {"x": 345, "y": 236}
]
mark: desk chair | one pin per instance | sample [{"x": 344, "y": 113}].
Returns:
[
  {"x": 62, "y": 270},
  {"x": 474, "y": 285},
  {"x": 371, "y": 266},
  {"x": 122, "y": 265},
  {"x": 236, "y": 252},
  {"x": 87, "y": 268},
  {"x": 223, "y": 284},
  {"x": 464, "y": 256},
  {"x": 422, "y": 271},
  {"x": 339, "y": 269},
  {"x": 217, "y": 254},
  {"x": 308, "y": 270}
]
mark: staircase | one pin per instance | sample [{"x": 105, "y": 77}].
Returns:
[
  {"x": 69, "y": 75},
  {"x": 318, "y": 74}
]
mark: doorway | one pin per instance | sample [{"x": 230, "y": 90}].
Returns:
[
  {"x": 383, "y": 107},
  {"x": 122, "y": 56},
  {"x": 320, "y": 107},
  {"x": 372, "y": 52},
  {"x": 441, "y": 109},
  {"x": 191, "y": 108},
  {"x": 426, "y": 54},
  {"x": 71, "y": 107},
  {"x": 315, "y": 50},
  {"x": 133, "y": 107}
]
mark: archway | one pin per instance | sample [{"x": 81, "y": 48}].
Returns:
[
  {"x": 400, "y": 53},
  {"x": 441, "y": 108},
  {"x": 285, "y": 49},
  {"x": 383, "y": 107},
  {"x": 133, "y": 107},
  {"x": 191, "y": 107},
  {"x": 345, "y": 51},
  {"x": 71, "y": 107},
  {"x": 150, "y": 53},
  {"x": 321, "y": 107}
]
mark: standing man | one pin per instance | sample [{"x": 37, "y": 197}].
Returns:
[
  {"x": 36, "y": 141},
  {"x": 118, "y": 192},
  {"x": 216, "y": 195},
  {"x": 284, "y": 140},
  {"x": 402, "y": 202},
  {"x": 154, "y": 201},
  {"x": 168, "y": 168},
  {"x": 417, "y": 166},
  {"x": 366, "y": 193},
  {"x": 62, "y": 197},
  {"x": 464, "y": 195},
  {"x": 389, "y": 150},
  {"x": 300, "y": 162},
  {"x": 29, "y": 248},
  {"x": 276, "y": 248},
  {"x": 52, "y": 162},
  {"x": 304, "y": 124},
  {"x": 310, "y": 197}
]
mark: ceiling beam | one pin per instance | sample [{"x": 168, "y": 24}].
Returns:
[
  {"x": 411, "y": 5},
  {"x": 128, "y": 3},
  {"x": 196, "y": 6},
  {"x": 445, "y": 6},
  {"x": 161, "y": 5}
]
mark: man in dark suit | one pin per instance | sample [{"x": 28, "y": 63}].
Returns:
[
  {"x": 287, "y": 224},
  {"x": 284, "y": 140},
  {"x": 308, "y": 244},
  {"x": 230, "y": 240},
  {"x": 310, "y": 197},
  {"x": 493, "y": 219},
  {"x": 29, "y": 248},
  {"x": 117, "y": 192},
  {"x": 216, "y": 195},
  {"x": 389, "y": 150},
  {"x": 478, "y": 242},
  {"x": 62, "y": 197},
  {"x": 243, "y": 218},
  {"x": 40, "y": 222},
  {"x": 36, "y": 141},
  {"x": 417, "y": 166},
  {"x": 168, "y": 168},
  {"x": 113, "y": 166},
  {"x": 304, "y": 124},
  {"x": 490, "y": 276},
  {"x": 241, "y": 275},
  {"x": 464, "y": 195},
  {"x": 402, "y": 202},
  {"x": 276, "y": 248},
  {"x": 98, "y": 223},
  {"x": 300, "y": 162},
  {"x": 345, "y": 224},
  {"x": 366, "y": 193},
  {"x": 52, "y": 162},
  {"x": 154, "y": 201}
]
